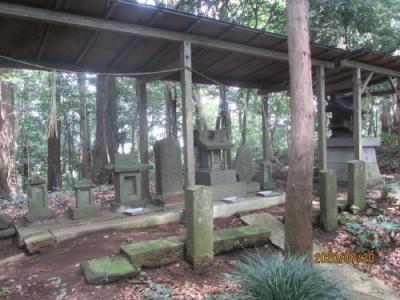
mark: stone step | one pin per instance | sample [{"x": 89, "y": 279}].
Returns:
[
  {"x": 106, "y": 270},
  {"x": 165, "y": 251}
]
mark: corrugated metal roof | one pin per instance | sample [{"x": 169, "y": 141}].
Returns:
[{"x": 78, "y": 49}]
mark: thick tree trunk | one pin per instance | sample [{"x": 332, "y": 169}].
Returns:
[
  {"x": 174, "y": 113},
  {"x": 267, "y": 149},
  {"x": 168, "y": 108},
  {"x": 54, "y": 179},
  {"x": 298, "y": 226},
  {"x": 7, "y": 150},
  {"x": 84, "y": 151},
  {"x": 224, "y": 120},
  {"x": 200, "y": 121},
  {"x": 106, "y": 127},
  {"x": 385, "y": 116}
]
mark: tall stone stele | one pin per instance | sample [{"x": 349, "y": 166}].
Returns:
[
  {"x": 357, "y": 184},
  {"x": 328, "y": 200},
  {"x": 38, "y": 201},
  {"x": 84, "y": 197},
  {"x": 199, "y": 224},
  {"x": 169, "y": 172},
  {"x": 127, "y": 174},
  {"x": 266, "y": 175}
]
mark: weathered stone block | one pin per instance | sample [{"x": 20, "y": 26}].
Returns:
[
  {"x": 37, "y": 242},
  {"x": 169, "y": 172},
  {"x": 265, "y": 175},
  {"x": 5, "y": 221},
  {"x": 244, "y": 164},
  {"x": 37, "y": 195},
  {"x": 106, "y": 270},
  {"x": 241, "y": 237},
  {"x": 253, "y": 187},
  {"x": 215, "y": 177},
  {"x": 220, "y": 191},
  {"x": 6, "y": 233},
  {"x": 328, "y": 200},
  {"x": 76, "y": 213},
  {"x": 155, "y": 253},
  {"x": 357, "y": 184},
  {"x": 199, "y": 223}
]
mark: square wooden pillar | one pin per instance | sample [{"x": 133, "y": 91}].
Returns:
[
  {"x": 321, "y": 105},
  {"x": 143, "y": 136},
  {"x": 187, "y": 112},
  {"x": 357, "y": 114}
]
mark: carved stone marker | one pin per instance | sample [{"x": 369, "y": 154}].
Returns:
[
  {"x": 244, "y": 164},
  {"x": 200, "y": 228},
  {"x": 85, "y": 206},
  {"x": 357, "y": 183},
  {"x": 266, "y": 175},
  {"x": 328, "y": 200},
  {"x": 38, "y": 201},
  {"x": 169, "y": 172},
  {"x": 127, "y": 181}
]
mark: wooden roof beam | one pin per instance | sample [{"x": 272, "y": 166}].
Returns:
[
  {"x": 371, "y": 68},
  {"x": 44, "y": 15}
]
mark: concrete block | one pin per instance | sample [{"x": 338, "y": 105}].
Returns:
[
  {"x": 220, "y": 191},
  {"x": 76, "y": 213},
  {"x": 357, "y": 185},
  {"x": 215, "y": 177},
  {"x": 155, "y": 253},
  {"x": 39, "y": 241},
  {"x": 328, "y": 200},
  {"x": 106, "y": 270},
  {"x": 253, "y": 187},
  {"x": 200, "y": 227}
]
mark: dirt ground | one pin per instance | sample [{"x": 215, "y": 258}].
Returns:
[{"x": 54, "y": 273}]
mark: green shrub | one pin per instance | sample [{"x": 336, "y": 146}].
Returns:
[{"x": 277, "y": 278}]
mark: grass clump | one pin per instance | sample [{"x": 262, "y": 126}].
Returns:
[{"x": 277, "y": 278}]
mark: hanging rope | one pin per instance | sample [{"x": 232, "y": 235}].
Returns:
[{"x": 52, "y": 126}]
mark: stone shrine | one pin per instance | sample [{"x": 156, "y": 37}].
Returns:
[
  {"x": 340, "y": 145},
  {"x": 169, "y": 172},
  {"x": 212, "y": 166},
  {"x": 38, "y": 201},
  {"x": 84, "y": 197},
  {"x": 127, "y": 181}
]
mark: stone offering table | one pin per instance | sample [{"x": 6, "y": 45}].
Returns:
[{"x": 85, "y": 206}]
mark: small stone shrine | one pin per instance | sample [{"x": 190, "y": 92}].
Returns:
[
  {"x": 38, "y": 201},
  {"x": 169, "y": 172},
  {"x": 85, "y": 205},
  {"x": 127, "y": 181},
  {"x": 245, "y": 169},
  {"x": 340, "y": 145},
  {"x": 212, "y": 166}
]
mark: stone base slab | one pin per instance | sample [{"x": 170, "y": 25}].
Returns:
[
  {"x": 76, "y": 213},
  {"x": 106, "y": 270},
  {"x": 216, "y": 177},
  {"x": 220, "y": 191},
  {"x": 253, "y": 187},
  {"x": 43, "y": 217},
  {"x": 169, "y": 199},
  {"x": 116, "y": 207}
]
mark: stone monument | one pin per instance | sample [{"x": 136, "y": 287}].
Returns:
[
  {"x": 212, "y": 166},
  {"x": 169, "y": 172},
  {"x": 245, "y": 169},
  {"x": 127, "y": 181},
  {"x": 84, "y": 197},
  {"x": 340, "y": 145},
  {"x": 38, "y": 201},
  {"x": 266, "y": 175}
]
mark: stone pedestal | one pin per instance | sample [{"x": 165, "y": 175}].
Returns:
[
  {"x": 127, "y": 182},
  {"x": 341, "y": 150},
  {"x": 357, "y": 184},
  {"x": 200, "y": 228},
  {"x": 169, "y": 172},
  {"x": 266, "y": 175},
  {"x": 328, "y": 200},
  {"x": 84, "y": 197},
  {"x": 38, "y": 201}
]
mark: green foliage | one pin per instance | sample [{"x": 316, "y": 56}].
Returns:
[
  {"x": 372, "y": 234},
  {"x": 386, "y": 190},
  {"x": 275, "y": 277}
]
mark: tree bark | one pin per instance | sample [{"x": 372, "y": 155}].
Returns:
[
  {"x": 298, "y": 226},
  {"x": 135, "y": 107},
  {"x": 385, "y": 116},
  {"x": 266, "y": 135},
  {"x": 200, "y": 121},
  {"x": 54, "y": 178},
  {"x": 7, "y": 129},
  {"x": 106, "y": 126},
  {"x": 85, "y": 157},
  {"x": 244, "y": 126}
]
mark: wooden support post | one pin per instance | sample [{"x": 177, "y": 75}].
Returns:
[
  {"x": 187, "y": 112},
  {"x": 321, "y": 104},
  {"x": 143, "y": 135},
  {"x": 357, "y": 114},
  {"x": 266, "y": 143}
]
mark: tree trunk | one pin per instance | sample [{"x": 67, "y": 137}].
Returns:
[
  {"x": 244, "y": 126},
  {"x": 54, "y": 179},
  {"x": 168, "y": 108},
  {"x": 298, "y": 226},
  {"x": 85, "y": 158},
  {"x": 106, "y": 127},
  {"x": 266, "y": 135},
  {"x": 7, "y": 128},
  {"x": 135, "y": 107},
  {"x": 200, "y": 121},
  {"x": 385, "y": 116}
]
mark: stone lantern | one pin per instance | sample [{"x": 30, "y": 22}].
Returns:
[
  {"x": 85, "y": 205},
  {"x": 38, "y": 201}
]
